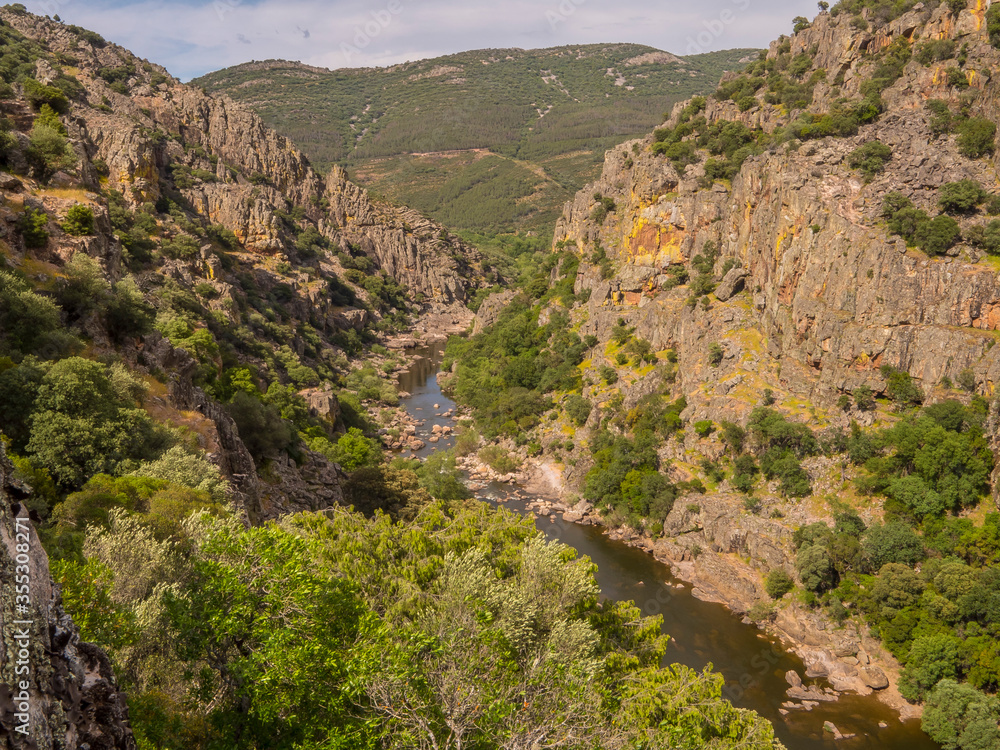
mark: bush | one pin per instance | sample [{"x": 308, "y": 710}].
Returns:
[
  {"x": 870, "y": 158},
  {"x": 703, "y": 428},
  {"x": 976, "y": 137},
  {"x": 32, "y": 225},
  {"x": 79, "y": 220},
  {"x": 498, "y": 459},
  {"x": 38, "y": 94},
  {"x": 49, "y": 151},
  {"x": 261, "y": 428},
  {"x": 578, "y": 408},
  {"x": 778, "y": 583},
  {"x": 715, "y": 354},
  {"x": 86, "y": 421},
  {"x": 815, "y": 568},
  {"x": 993, "y": 25},
  {"x": 961, "y": 197},
  {"x": 937, "y": 235}
]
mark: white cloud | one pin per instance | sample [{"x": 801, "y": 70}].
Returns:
[{"x": 191, "y": 38}]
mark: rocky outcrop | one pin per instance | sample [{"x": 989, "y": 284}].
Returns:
[
  {"x": 248, "y": 176},
  {"x": 831, "y": 295},
  {"x": 56, "y": 691}
]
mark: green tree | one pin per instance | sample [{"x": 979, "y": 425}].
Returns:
[
  {"x": 962, "y": 718},
  {"x": 79, "y": 220},
  {"x": 893, "y": 542},
  {"x": 931, "y": 659},
  {"x": 778, "y": 583},
  {"x": 86, "y": 422},
  {"x": 976, "y": 137},
  {"x": 961, "y": 197},
  {"x": 269, "y": 631},
  {"x": 815, "y": 568}
]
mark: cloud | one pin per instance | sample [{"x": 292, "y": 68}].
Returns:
[{"x": 192, "y": 37}]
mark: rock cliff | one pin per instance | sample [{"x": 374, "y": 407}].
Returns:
[{"x": 56, "y": 691}]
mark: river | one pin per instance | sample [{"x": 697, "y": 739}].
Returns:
[{"x": 701, "y": 633}]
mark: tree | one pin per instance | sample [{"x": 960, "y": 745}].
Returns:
[
  {"x": 578, "y": 408},
  {"x": 870, "y": 158},
  {"x": 26, "y": 319},
  {"x": 931, "y": 659},
  {"x": 815, "y": 568},
  {"x": 269, "y": 631},
  {"x": 962, "y": 718},
  {"x": 261, "y": 427},
  {"x": 715, "y": 354},
  {"x": 86, "y": 422},
  {"x": 937, "y": 235},
  {"x": 976, "y": 137},
  {"x": 892, "y": 542},
  {"x": 778, "y": 583},
  {"x": 32, "y": 225},
  {"x": 961, "y": 197},
  {"x": 79, "y": 220}
]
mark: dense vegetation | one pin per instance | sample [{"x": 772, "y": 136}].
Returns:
[{"x": 546, "y": 116}]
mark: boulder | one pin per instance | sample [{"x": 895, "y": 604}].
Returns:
[{"x": 731, "y": 284}]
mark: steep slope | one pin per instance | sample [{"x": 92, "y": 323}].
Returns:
[
  {"x": 223, "y": 225},
  {"x": 484, "y": 140},
  {"x": 760, "y": 315}
]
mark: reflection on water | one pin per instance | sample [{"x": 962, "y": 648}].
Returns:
[{"x": 702, "y": 633}]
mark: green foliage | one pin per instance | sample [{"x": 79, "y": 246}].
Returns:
[
  {"x": 931, "y": 659},
  {"x": 352, "y": 450},
  {"x": 79, "y": 220},
  {"x": 578, "y": 408},
  {"x": 86, "y": 421},
  {"x": 815, "y": 568},
  {"x": 778, "y": 583},
  {"x": 942, "y": 120},
  {"x": 32, "y": 225},
  {"x": 993, "y": 25},
  {"x": 715, "y": 354},
  {"x": 870, "y": 159},
  {"x": 962, "y": 718},
  {"x": 28, "y": 321},
  {"x": 39, "y": 95},
  {"x": 261, "y": 427},
  {"x": 961, "y": 197},
  {"x": 976, "y": 137}
]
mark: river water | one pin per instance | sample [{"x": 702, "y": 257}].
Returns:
[{"x": 702, "y": 633}]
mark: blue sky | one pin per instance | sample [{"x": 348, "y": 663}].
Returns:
[{"x": 191, "y": 37}]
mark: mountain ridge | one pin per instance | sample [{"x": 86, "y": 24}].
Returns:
[{"x": 557, "y": 108}]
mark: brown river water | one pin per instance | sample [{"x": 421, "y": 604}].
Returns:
[{"x": 701, "y": 633}]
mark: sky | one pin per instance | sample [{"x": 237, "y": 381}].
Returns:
[{"x": 193, "y": 37}]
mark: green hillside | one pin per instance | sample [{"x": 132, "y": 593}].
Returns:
[{"x": 489, "y": 140}]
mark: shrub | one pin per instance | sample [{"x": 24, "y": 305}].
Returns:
[
  {"x": 79, "y": 220},
  {"x": 608, "y": 374},
  {"x": 715, "y": 354},
  {"x": 32, "y": 225},
  {"x": 864, "y": 398},
  {"x": 778, "y": 583},
  {"x": 260, "y": 426},
  {"x": 578, "y": 408},
  {"x": 49, "y": 151},
  {"x": 937, "y": 235},
  {"x": 941, "y": 117},
  {"x": 815, "y": 568},
  {"x": 993, "y": 25},
  {"x": 976, "y": 137},
  {"x": 870, "y": 158},
  {"x": 498, "y": 459},
  {"x": 39, "y": 94},
  {"x": 961, "y": 197},
  {"x": 704, "y": 428}
]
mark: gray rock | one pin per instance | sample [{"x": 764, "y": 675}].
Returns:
[{"x": 731, "y": 284}]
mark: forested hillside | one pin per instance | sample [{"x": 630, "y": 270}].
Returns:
[
  {"x": 490, "y": 140},
  {"x": 199, "y": 337},
  {"x": 763, "y": 349}
]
